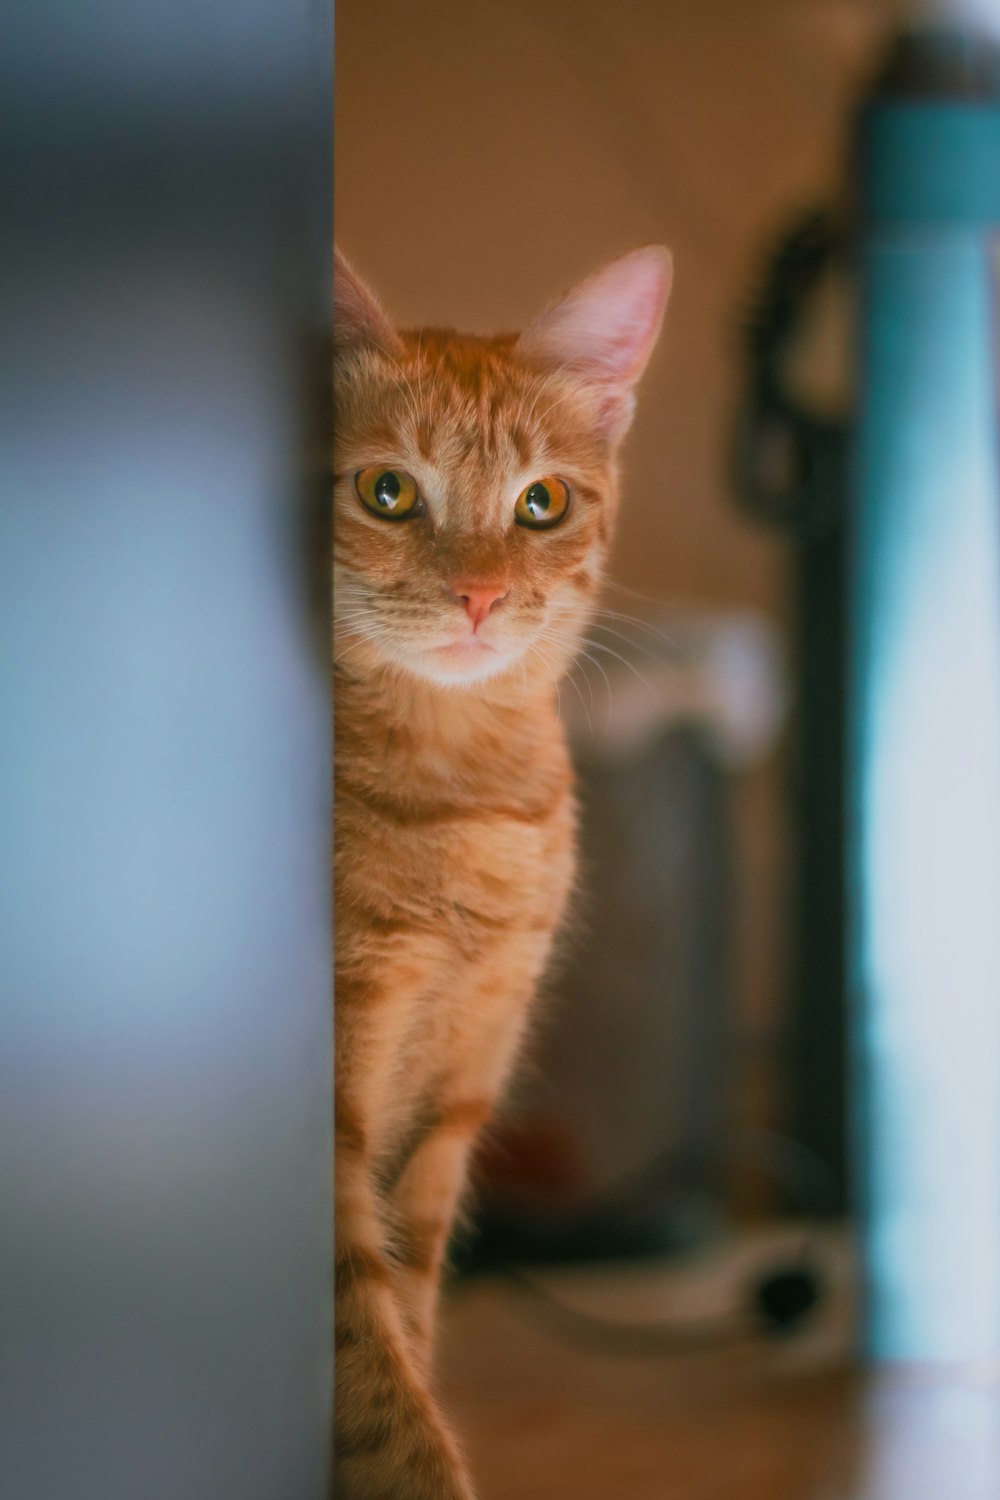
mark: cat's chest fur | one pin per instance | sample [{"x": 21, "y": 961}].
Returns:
[{"x": 455, "y": 835}]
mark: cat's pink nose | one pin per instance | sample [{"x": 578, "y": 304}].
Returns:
[{"x": 479, "y": 599}]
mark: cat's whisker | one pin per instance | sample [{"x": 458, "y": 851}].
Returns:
[
  {"x": 420, "y": 370},
  {"x": 407, "y": 389},
  {"x": 640, "y": 624},
  {"x": 621, "y": 588},
  {"x": 341, "y": 656},
  {"x": 583, "y": 656},
  {"x": 579, "y": 693},
  {"x": 596, "y": 624},
  {"x": 600, "y": 646},
  {"x": 519, "y": 416},
  {"x": 570, "y": 643},
  {"x": 619, "y": 635},
  {"x": 568, "y": 648},
  {"x": 367, "y": 637},
  {"x": 574, "y": 663},
  {"x": 353, "y": 612},
  {"x": 553, "y": 668},
  {"x": 558, "y": 674},
  {"x": 357, "y": 614},
  {"x": 565, "y": 396},
  {"x": 544, "y": 386}
]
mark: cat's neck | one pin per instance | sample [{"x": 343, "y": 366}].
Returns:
[{"x": 398, "y": 705}]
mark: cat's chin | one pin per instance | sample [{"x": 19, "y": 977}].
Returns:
[{"x": 464, "y": 663}]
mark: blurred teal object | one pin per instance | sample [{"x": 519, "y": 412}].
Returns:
[{"x": 925, "y": 699}]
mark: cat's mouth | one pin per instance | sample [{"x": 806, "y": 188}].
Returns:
[
  {"x": 467, "y": 658},
  {"x": 471, "y": 646},
  {"x": 470, "y": 652}
]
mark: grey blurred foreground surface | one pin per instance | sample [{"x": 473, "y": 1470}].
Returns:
[{"x": 164, "y": 759}]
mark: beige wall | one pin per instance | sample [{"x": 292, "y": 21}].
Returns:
[{"x": 489, "y": 152}]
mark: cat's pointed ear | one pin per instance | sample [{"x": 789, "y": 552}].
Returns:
[
  {"x": 358, "y": 318},
  {"x": 605, "y": 328}
]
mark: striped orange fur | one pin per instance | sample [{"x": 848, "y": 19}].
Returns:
[{"x": 453, "y": 621}]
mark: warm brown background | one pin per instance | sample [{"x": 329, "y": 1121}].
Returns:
[{"x": 488, "y": 152}]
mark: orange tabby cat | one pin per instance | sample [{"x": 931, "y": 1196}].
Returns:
[{"x": 475, "y": 491}]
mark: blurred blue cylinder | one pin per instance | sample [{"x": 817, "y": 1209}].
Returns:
[{"x": 925, "y": 784}]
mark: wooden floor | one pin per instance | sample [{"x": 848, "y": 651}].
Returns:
[{"x": 542, "y": 1420}]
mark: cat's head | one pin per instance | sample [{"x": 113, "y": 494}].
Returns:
[{"x": 475, "y": 481}]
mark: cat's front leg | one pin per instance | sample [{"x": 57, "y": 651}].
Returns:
[
  {"x": 390, "y": 1442},
  {"x": 428, "y": 1192},
  {"x": 424, "y": 1205}
]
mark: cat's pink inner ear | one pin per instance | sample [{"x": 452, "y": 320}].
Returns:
[
  {"x": 605, "y": 328},
  {"x": 357, "y": 315}
]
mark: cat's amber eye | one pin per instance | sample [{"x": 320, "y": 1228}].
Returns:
[
  {"x": 391, "y": 494},
  {"x": 543, "y": 503}
]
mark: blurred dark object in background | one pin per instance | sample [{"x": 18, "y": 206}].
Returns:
[
  {"x": 640, "y": 1014},
  {"x": 791, "y": 455},
  {"x": 642, "y": 1009}
]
